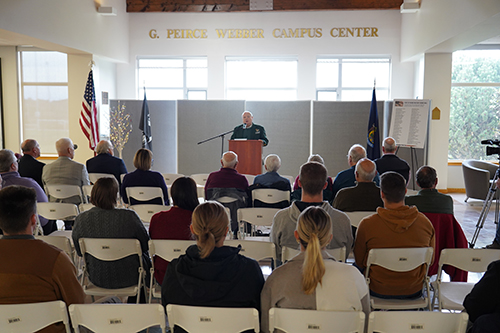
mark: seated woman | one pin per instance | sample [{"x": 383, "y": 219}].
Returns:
[
  {"x": 313, "y": 280},
  {"x": 143, "y": 177},
  {"x": 106, "y": 221},
  {"x": 174, "y": 223},
  {"x": 211, "y": 274}
]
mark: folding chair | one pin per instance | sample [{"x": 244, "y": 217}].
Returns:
[
  {"x": 200, "y": 178},
  {"x": 167, "y": 249},
  {"x": 257, "y": 250},
  {"x": 61, "y": 242},
  {"x": 417, "y": 321},
  {"x": 94, "y": 176},
  {"x": 86, "y": 190},
  {"x": 257, "y": 216},
  {"x": 61, "y": 192},
  {"x": 140, "y": 193},
  {"x": 147, "y": 211},
  {"x": 299, "y": 321},
  {"x": 171, "y": 177},
  {"x": 356, "y": 217},
  {"x": 111, "y": 249},
  {"x": 32, "y": 317},
  {"x": 451, "y": 295},
  {"x": 196, "y": 319},
  {"x": 250, "y": 178},
  {"x": 401, "y": 260},
  {"x": 85, "y": 206},
  {"x": 288, "y": 253},
  {"x": 57, "y": 210},
  {"x": 117, "y": 318},
  {"x": 270, "y": 196}
]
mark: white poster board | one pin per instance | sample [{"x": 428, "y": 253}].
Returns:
[{"x": 409, "y": 122}]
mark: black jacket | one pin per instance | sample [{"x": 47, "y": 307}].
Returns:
[
  {"x": 223, "y": 279},
  {"x": 32, "y": 168}
]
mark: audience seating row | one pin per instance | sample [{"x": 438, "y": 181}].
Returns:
[{"x": 112, "y": 318}]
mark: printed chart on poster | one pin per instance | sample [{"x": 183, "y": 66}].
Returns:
[{"x": 409, "y": 122}]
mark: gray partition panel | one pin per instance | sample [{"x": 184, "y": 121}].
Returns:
[
  {"x": 164, "y": 131},
  {"x": 200, "y": 120},
  {"x": 288, "y": 127},
  {"x": 339, "y": 125}
]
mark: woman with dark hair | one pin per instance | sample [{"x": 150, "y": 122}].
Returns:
[
  {"x": 106, "y": 221},
  {"x": 211, "y": 274},
  {"x": 313, "y": 280},
  {"x": 174, "y": 223},
  {"x": 143, "y": 177}
]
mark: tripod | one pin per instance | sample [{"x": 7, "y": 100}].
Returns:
[{"x": 486, "y": 208}]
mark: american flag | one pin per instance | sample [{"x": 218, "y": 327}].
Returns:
[{"x": 88, "y": 115}]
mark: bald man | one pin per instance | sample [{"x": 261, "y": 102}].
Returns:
[
  {"x": 29, "y": 166},
  {"x": 249, "y": 130},
  {"x": 346, "y": 178},
  {"x": 227, "y": 176},
  {"x": 365, "y": 196},
  {"x": 64, "y": 170},
  {"x": 105, "y": 162},
  {"x": 228, "y": 182},
  {"x": 390, "y": 162}
]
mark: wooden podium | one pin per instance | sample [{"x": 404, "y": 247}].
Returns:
[{"x": 249, "y": 156}]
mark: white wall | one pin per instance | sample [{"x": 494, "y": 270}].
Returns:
[
  {"x": 305, "y": 49},
  {"x": 73, "y": 24},
  {"x": 448, "y": 25}
]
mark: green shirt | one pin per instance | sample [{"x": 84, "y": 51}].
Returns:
[
  {"x": 431, "y": 201},
  {"x": 254, "y": 132}
]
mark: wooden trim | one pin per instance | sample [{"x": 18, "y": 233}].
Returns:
[
  {"x": 47, "y": 158},
  {"x": 455, "y": 190}
]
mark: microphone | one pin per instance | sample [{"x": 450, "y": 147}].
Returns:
[{"x": 244, "y": 126}]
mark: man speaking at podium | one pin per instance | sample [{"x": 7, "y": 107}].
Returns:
[{"x": 249, "y": 130}]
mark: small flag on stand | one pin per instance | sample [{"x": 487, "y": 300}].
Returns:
[
  {"x": 88, "y": 115},
  {"x": 145, "y": 125},
  {"x": 373, "y": 138}
]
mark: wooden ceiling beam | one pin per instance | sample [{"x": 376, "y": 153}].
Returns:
[{"x": 135, "y": 6}]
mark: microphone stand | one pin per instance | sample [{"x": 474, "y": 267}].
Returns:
[{"x": 217, "y": 136}]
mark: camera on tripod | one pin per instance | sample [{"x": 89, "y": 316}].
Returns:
[{"x": 492, "y": 150}]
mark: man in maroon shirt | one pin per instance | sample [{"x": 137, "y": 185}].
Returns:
[
  {"x": 227, "y": 176},
  {"x": 228, "y": 182}
]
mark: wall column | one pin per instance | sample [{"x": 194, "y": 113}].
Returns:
[{"x": 437, "y": 88}]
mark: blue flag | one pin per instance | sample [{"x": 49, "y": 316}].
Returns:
[
  {"x": 373, "y": 137},
  {"x": 145, "y": 125}
]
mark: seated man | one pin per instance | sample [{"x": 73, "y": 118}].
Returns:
[
  {"x": 31, "y": 270},
  {"x": 347, "y": 178},
  {"x": 312, "y": 180},
  {"x": 105, "y": 162},
  {"x": 227, "y": 176},
  {"x": 428, "y": 199},
  {"x": 271, "y": 178},
  {"x": 390, "y": 162},
  {"x": 10, "y": 176},
  {"x": 365, "y": 196},
  {"x": 29, "y": 166},
  {"x": 228, "y": 182},
  {"x": 327, "y": 192},
  {"x": 483, "y": 302},
  {"x": 393, "y": 226},
  {"x": 64, "y": 170}
]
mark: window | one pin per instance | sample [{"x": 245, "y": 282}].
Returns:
[
  {"x": 351, "y": 78},
  {"x": 173, "y": 78},
  {"x": 44, "y": 97},
  {"x": 262, "y": 79},
  {"x": 475, "y": 103}
]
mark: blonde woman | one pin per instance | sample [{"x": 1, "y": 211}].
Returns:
[
  {"x": 313, "y": 280},
  {"x": 211, "y": 274}
]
